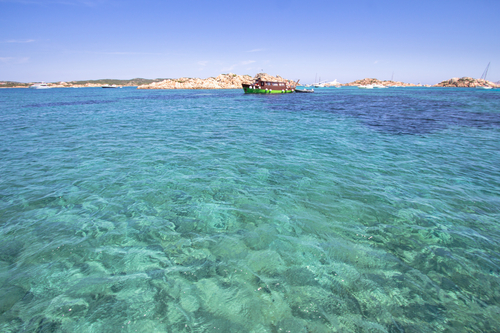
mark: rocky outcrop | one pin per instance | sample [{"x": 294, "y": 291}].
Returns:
[
  {"x": 223, "y": 81},
  {"x": 465, "y": 82},
  {"x": 71, "y": 85},
  {"x": 387, "y": 83}
]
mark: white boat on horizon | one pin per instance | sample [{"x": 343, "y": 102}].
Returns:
[
  {"x": 483, "y": 77},
  {"x": 304, "y": 90},
  {"x": 369, "y": 86},
  {"x": 334, "y": 84},
  {"x": 41, "y": 85}
]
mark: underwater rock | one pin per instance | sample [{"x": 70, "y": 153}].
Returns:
[
  {"x": 68, "y": 306},
  {"x": 273, "y": 307},
  {"x": 189, "y": 303},
  {"x": 268, "y": 262},
  {"x": 318, "y": 327},
  {"x": 261, "y": 237},
  {"x": 425, "y": 312},
  {"x": 291, "y": 324},
  {"x": 219, "y": 324},
  {"x": 300, "y": 276},
  {"x": 229, "y": 248},
  {"x": 239, "y": 305},
  {"x": 10, "y": 250},
  {"x": 10, "y": 295},
  {"x": 259, "y": 328},
  {"x": 186, "y": 224},
  {"x": 48, "y": 326}
]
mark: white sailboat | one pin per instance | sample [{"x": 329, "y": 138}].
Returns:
[
  {"x": 483, "y": 77},
  {"x": 320, "y": 84}
]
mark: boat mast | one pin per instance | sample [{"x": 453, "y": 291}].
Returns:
[{"x": 485, "y": 72}]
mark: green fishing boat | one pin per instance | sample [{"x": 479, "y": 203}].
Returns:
[{"x": 260, "y": 86}]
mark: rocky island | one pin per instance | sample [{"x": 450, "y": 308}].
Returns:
[
  {"x": 386, "y": 83},
  {"x": 223, "y": 81},
  {"x": 466, "y": 82},
  {"x": 83, "y": 84}
]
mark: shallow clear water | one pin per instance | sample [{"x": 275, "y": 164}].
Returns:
[{"x": 346, "y": 210}]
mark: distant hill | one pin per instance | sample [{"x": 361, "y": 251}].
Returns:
[
  {"x": 83, "y": 83},
  {"x": 10, "y": 84},
  {"x": 131, "y": 82}
]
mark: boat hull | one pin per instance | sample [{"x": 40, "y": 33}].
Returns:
[
  {"x": 39, "y": 87},
  {"x": 249, "y": 90},
  {"x": 304, "y": 91},
  {"x": 268, "y": 87}
]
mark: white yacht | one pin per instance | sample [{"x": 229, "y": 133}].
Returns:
[
  {"x": 333, "y": 83},
  {"x": 42, "y": 85}
]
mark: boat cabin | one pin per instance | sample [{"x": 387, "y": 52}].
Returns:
[
  {"x": 271, "y": 85},
  {"x": 260, "y": 86}
]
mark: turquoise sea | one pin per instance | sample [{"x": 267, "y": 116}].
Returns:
[{"x": 346, "y": 210}]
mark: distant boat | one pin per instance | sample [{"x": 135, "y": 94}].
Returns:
[
  {"x": 42, "y": 85},
  {"x": 260, "y": 86},
  {"x": 304, "y": 90},
  {"x": 317, "y": 84},
  {"x": 333, "y": 83},
  {"x": 369, "y": 86},
  {"x": 379, "y": 86},
  {"x": 109, "y": 86},
  {"x": 483, "y": 77}
]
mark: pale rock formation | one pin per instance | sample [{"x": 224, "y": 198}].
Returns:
[
  {"x": 387, "y": 83},
  {"x": 223, "y": 81},
  {"x": 466, "y": 82}
]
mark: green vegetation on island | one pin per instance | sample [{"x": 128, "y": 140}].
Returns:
[
  {"x": 84, "y": 83},
  {"x": 128, "y": 83},
  {"x": 13, "y": 84}
]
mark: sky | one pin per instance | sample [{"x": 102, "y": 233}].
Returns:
[{"x": 411, "y": 41}]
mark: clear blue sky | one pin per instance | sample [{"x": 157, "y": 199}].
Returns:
[{"x": 419, "y": 41}]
